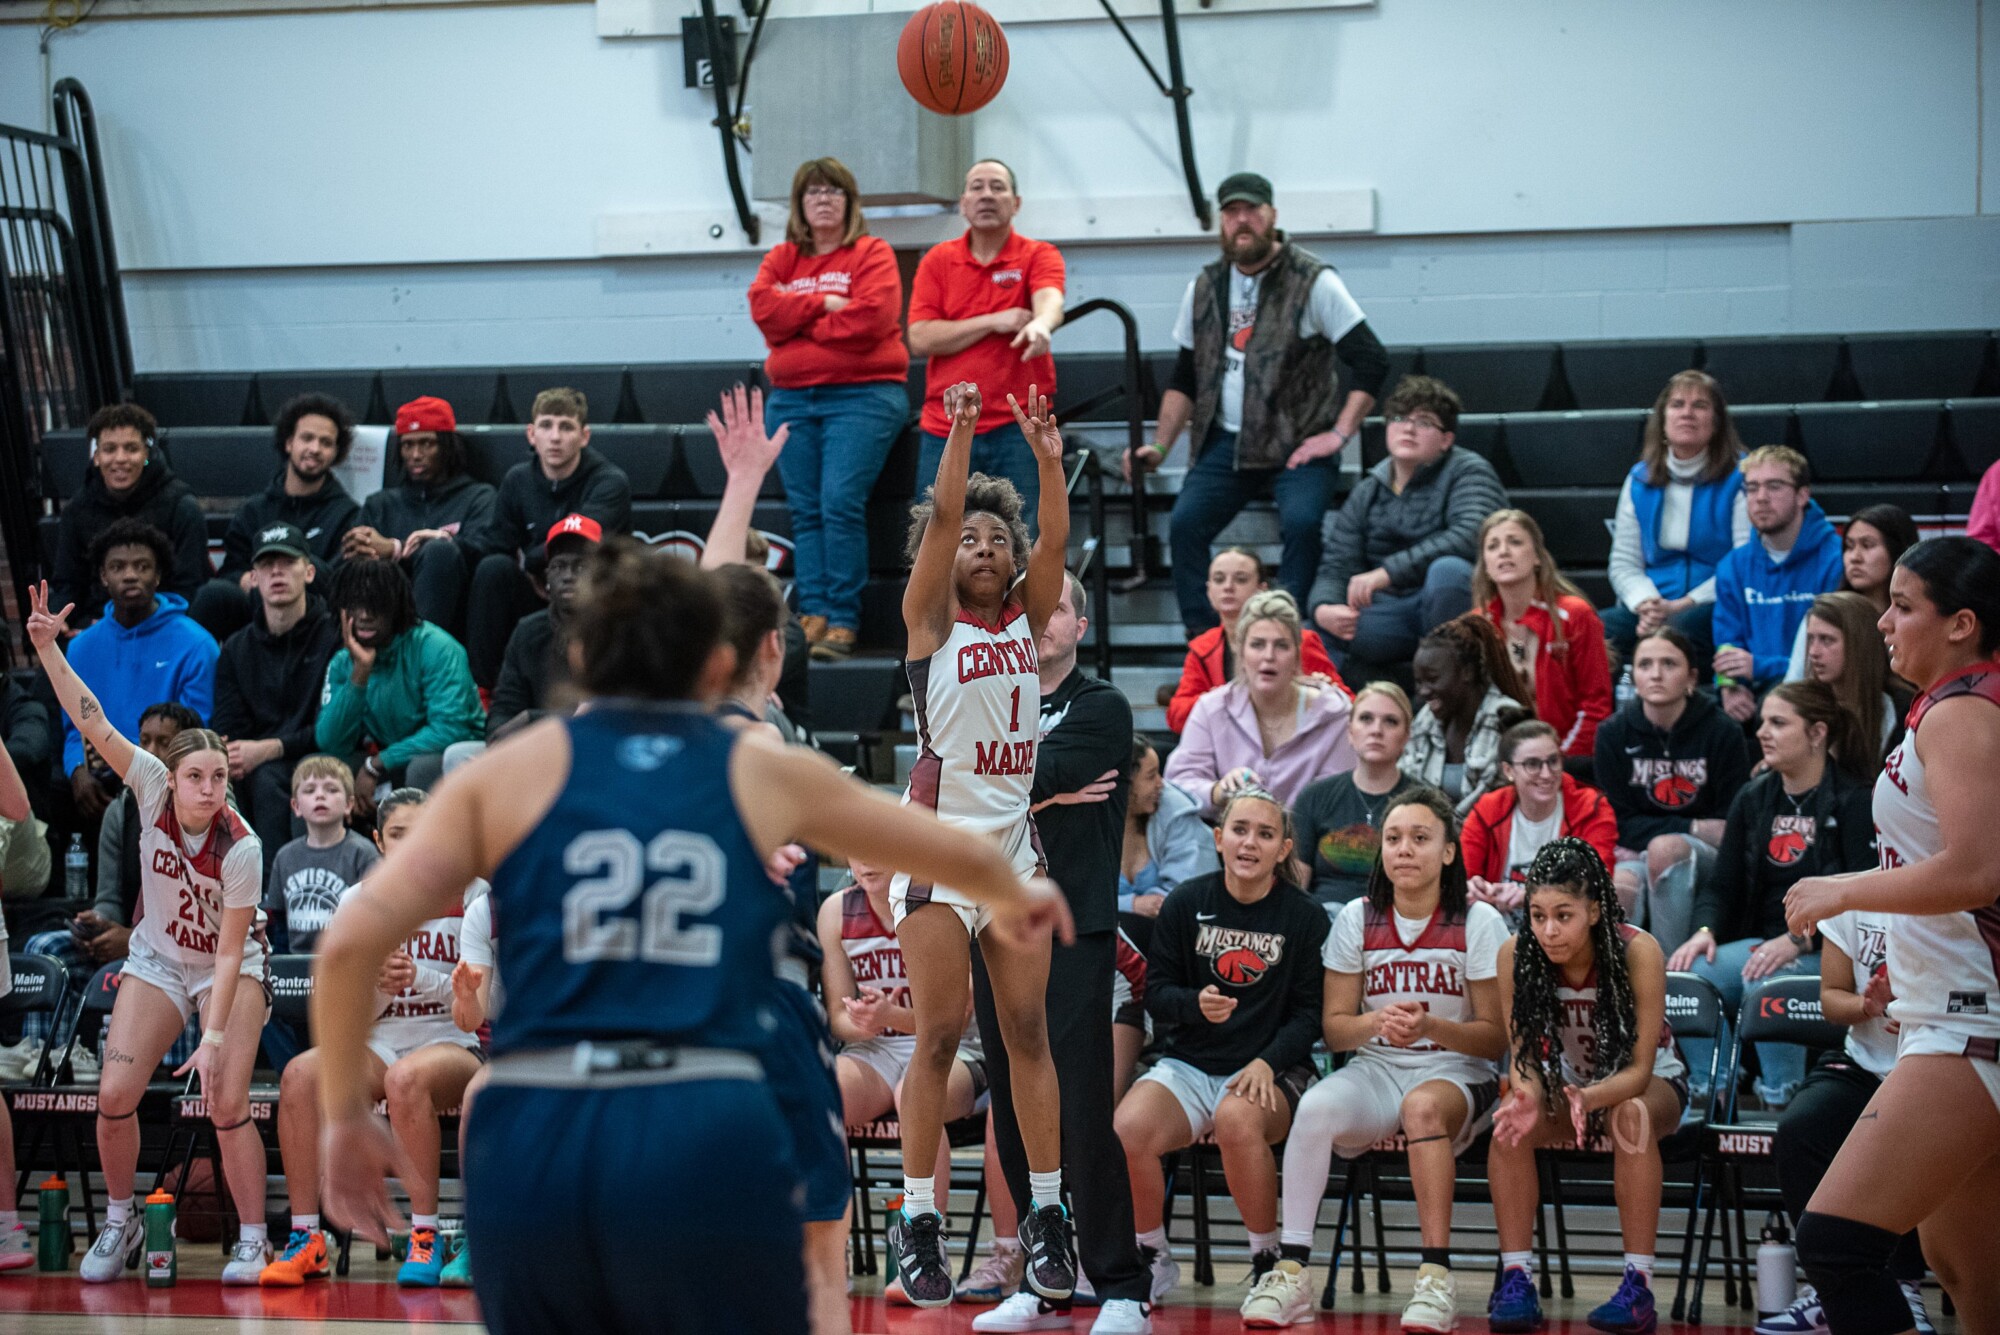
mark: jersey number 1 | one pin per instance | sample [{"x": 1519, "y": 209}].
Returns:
[
  {"x": 1014, "y": 719},
  {"x": 691, "y": 881}
]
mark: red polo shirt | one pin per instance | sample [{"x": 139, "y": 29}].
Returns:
[{"x": 952, "y": 285}]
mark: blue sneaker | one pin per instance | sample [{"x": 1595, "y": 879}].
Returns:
[
  {"x": 1514, "y": 1306},
  {"x": 427, "y": 1257},
  {"x": 1630, "y": 1311}
]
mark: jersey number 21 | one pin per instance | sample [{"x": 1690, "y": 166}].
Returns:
[{"x": 690, "y": 869}]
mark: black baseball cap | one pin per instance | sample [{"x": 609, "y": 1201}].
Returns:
[
  {"x": 289, "y": 539},
  {"x": 1247, "y": 186}
]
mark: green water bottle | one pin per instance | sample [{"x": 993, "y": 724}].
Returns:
[
  {"x": 52, "y": 1240},
  {"x": 162, "y": 1264}
]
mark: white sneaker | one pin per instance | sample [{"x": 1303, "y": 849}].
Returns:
[
  {"x": 17, "y": 1250},
  {"x": 995, "y": 1277},
  {"x": 1804, "y": 1317},
  {"x": 115, "y": 1251},
  {"x": 1281, "y": 1298},
  {"x": 1433, "y": 1308},
  {"x": 1166, "y": 1271},
  {"x": 1023, "y": 1311},
  {"x": 84, "y": 1067},
  {"x": 1920, "y": 1320},
  {"x": 17, "y": 1060},
  {"x": 247, "y": 1261},
  {"x": 1123, "y": 1316}
]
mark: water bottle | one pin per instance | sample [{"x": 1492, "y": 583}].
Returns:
[
  {"x": 76, "y": 870},
  {"x": 1626, "y": 692},
  {"x": 162, "y": 1264},
  {"x": 52, "y": 1239},
  {"x": 1777, "y": 1268}
]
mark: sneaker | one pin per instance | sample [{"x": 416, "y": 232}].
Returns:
[
  {"x": 1514, "y": 1306},
  {"x": 918, "y": 1246},
  {"x": 17, "y": 1250},
  {"x": 247, "y": 1261},
  {"x": 1024, "y": 1311},
  {"x": 458, "y": 1271},
  {"x": 1913, "y": 1294},
  {"x": 83, "y": 1067},
  {"x": 423, "y": 1265},
  {"x": 1047, "y": 1237},
  {"x": 115, "y": 1251},
  {"x": 1281, "y": 1298},
  {"x": 1123, "y": 1316},
  {"x": 18, "y": 1060},
  {"x": 1630, "y": 1311},
  {"x": 1804, "y": 1317},
  {"x": 304, "y": 1258},
  {"x": 995, "y": 1277},
  {"x": 1166, "y": 1271},
  {"x": 836, "y": 647},
  {"x": 1262, "y": 1264},
  {"x": 1433, "y": 1308}
]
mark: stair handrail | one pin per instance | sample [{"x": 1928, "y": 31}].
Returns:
[{"x": 1135, "y": 387}]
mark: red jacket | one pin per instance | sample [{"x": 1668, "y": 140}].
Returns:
[
  {"x": 858, "y": 344},
  {"x": 1573, "y": 687},
  {"x": 1202, "y": 672},
  {"x": 1489, "y": 826}
]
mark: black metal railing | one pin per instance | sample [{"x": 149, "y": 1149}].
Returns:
[{"x": 1136, "y": 388}]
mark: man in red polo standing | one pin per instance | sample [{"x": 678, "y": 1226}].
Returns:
[{"x": 983, "y": 308}]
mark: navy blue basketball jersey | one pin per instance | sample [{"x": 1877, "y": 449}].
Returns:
[{"x": 637, "y": 908}]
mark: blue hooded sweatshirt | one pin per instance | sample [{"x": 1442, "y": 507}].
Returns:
[
  {"x": 1759, "y": 602},
  {"x": 165, "y": 657}
]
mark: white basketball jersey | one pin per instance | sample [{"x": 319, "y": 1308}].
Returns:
[
  {"x": 978, "y": 704},
  {"x": 1945, "y": 967},
  {"x": 1579, "y": 1029},
  {"x": 1429, "y": 966},
  {"x": 183, "y": 887},
  {"x": 873, "y": 953},
  {"x": 423, "y": 1009}
]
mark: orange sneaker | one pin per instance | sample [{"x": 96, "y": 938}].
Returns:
[{"x": 304, "y": 1258}]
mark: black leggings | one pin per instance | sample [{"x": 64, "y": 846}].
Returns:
[{"x": 1810, "y": 1133}]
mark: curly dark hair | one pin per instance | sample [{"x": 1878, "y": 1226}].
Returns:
[
  {"x": 380, "y": 587},
  {"x": 1451, "y": 880},
  {"x": 985, "y": 495},
  {"x": 129, "y": 532},
  {"x": 1481, "y": 649},
  {"x": 123, "y": 414},
  {"x": 319, "y": 405},
  {"x": 1572, "y": 866},
  {"x": 174, "y": 712}
]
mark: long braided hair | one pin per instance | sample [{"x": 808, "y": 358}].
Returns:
[{"x": 1571, "y": 865}]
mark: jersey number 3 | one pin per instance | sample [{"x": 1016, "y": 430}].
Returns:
[{"x": 690, "y": 869}]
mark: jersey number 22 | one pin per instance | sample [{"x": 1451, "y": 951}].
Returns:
[{"x": 690, "y": 869}]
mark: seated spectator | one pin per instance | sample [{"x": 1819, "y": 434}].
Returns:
[
  {"x": 24, "y": 846},
  {"x": 312, "y": 435},
  {"x": 1235, "y": 1020},
  {"x": 1810, "y": 813},
  {"x": 1234, "y": 575},
  {"x": 565, "y": 477},
  {"x": 1340, "y": 818},
  {"x": 829, "y": 301},
  {"x": 1553, "y": 635},
  {"x": 1399, "y": 553},
  {"x": 420, "y": 1063},
  {"x": 146, "y": 649},
  {"x": 1271, "y": 728},
  {"x": 1872, "y": 696},
  {"x": 1671, "y": 763},
  {"x": 1539, "y": 805},
  {"x": 1876, "y": 538},
  {"x": 309, "y": 875},
  {"x": 1764, "y": 588},
  {"x": 1468, "y": 694},
  {"x": 127, "y": 478},
  {"x": 17, "y": 1251},
  {"x": 30, "y": 746},
  {"x": 1166, "y": 840},
  {"x": 399, "y": 693},
  {"x": 1680, "y": 512},
  {"x": 24, "y": 728},
  {"x": 264, "y": 707},
  {"x": 424, "y": 521},
  {"x": 1983, "y": 522}
]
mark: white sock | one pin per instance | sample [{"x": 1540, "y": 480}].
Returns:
[
  {"x": 305, "y": 1223},
  {"x": 253, "y": 1232},
  {"x": 1642, "y": 1264},
  {"x": 1289, "y": 1238},
  {"x": 1264, "y": 1242},
  {"x": 9, "y": 1220},
  {"x": 1524, "y": 1261},
  {"x": 1045, "y": 1188},
  {"x": 118, "y": 1211},
  {"x": 1156, "y": 1239},
  {"x": 919, "y": 1196},
  {"x": 429, "y": 1221}
]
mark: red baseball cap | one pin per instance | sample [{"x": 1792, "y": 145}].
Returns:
[
  {"x": 425, "y": 414},
  {"x": 574, "y": 526}
]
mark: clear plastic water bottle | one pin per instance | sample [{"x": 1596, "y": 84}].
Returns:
[
  {"x": 1777, "y": 1268},
  {"x": 76, "y": 869},
  {"x": 1626, "y": 692}
]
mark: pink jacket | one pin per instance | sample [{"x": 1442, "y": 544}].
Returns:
[
  {"x": 1222, "y": 735},
  {"x": 1984, "y": 521}
]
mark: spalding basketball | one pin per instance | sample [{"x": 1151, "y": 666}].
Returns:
[{"x": 952, "y": 57}]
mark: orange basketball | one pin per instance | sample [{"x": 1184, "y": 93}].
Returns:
[{"x": 952, "y": 57}]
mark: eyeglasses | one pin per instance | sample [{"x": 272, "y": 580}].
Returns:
[
  {"x": 1418, "y": 420},
  {"x": 825, "y": 192},
  {"x": 1538, "y": 764},
  {"x": 1768, "y": 488}
]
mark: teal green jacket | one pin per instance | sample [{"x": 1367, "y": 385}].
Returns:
[{"x": 418, "y": 700}]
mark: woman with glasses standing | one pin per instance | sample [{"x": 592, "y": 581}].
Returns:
[{"x": 829, "y": 301}]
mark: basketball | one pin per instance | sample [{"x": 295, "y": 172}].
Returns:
[{"x": 952, "y": 57}]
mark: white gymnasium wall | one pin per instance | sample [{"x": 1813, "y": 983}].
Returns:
[{"x": 418, "y": 187}]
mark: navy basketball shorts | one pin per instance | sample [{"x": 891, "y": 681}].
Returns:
[
  {"x": 620, "y": 1209},
  {"x": 799, "y": 1064}
]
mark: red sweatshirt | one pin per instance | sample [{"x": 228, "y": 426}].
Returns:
[
  {"x": 1573, "y": 686},
  {"x": 860, "y": 343},
  {"x": 1489, "y": 826},
  {"x": 1202, "y": 672}
]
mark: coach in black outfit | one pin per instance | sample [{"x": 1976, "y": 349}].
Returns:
[{"x": 1085, "y": 751}]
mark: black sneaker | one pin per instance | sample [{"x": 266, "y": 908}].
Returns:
[
  {"x": 1262, "y": 1264},
  {"x": 1050, "y": 1242},
  {"x": 918, "y": 1246}
]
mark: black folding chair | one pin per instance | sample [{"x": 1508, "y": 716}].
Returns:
[{"x": 40, "y": 985}]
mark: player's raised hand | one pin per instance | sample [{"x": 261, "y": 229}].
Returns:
[
  {"x": 45, "y": 627},
  {"x": 739, "y": 433},
  {"x": 962, "y": 404},
  {"x": 1037, "y": 421}
]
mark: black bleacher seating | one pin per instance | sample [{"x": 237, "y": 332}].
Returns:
[
  {"x": 1763, "y": 424},
  {"x": 857, "y": 696},
  {"x": 472, "y": 391},
  {"x": 772, "y": 518},
  {"x": 897, "y": 482},
  {"x": 648, "y": 454},
  {"x": 194, "y": 398},
  {"x": 1975, "y": 428},
  {"x": 1624, "y": 374},
  {"x": 1480, "y": 433},
  {"x": 222, "y": 463},
  {"x": 355, "y": 389},
  {"x": 1944, "y": 500},
  {"x": 1402, "y": 362},
  {"x": 687, "y": 392},
  {"x": 1772, "y": 370},
  {"x": 603, "y": 389},
  {"x": 704, "y": 467},
  {"x": 1588, "y": 449},
  {"x": 1511, "y": 379},
  {"x": 1919, "y": 366},
  {"x": 1856, "y": 442},
  {"x": 491, "y": 450},
  {"x": 1576, "y": 521},
  {"x": 66, "y": 456}
]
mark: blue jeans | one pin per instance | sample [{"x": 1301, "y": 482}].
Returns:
[
  {"x": 1001, "y": 452},
  {"x": 1621, "y": 628},
  {"x": 1215, "y": 491},
  {"x": 1781, "y": 1066},
  {"x": 841, "y": 434},
  {"x": 1391, "y": 625}
]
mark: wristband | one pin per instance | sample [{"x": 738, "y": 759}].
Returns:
[{"x": 212, "y": 1038}]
